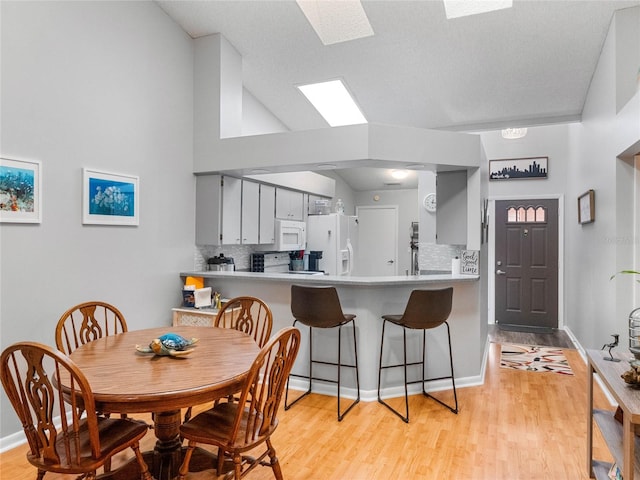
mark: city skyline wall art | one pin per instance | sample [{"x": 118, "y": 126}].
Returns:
[{"x": 517, "y": 168}]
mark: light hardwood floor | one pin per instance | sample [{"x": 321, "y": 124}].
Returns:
[{"x": 517, "y": 426}]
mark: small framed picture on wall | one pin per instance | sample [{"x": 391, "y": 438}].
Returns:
[
  {"x": 20, "y": 191},
  {"x": 587, "y": 207},
  {"x": 110, "y": 198}
]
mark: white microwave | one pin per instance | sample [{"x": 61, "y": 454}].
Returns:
[{"x": 290, "y": 235}]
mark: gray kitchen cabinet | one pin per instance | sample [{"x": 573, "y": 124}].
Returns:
[
  {"x": 250, "y": 212},
  {"x": 267, "y": 214},
  {"x": 218, "y": 210},
  {"x": 289, "y": 204},
  {"x": 451, "y": 216}
]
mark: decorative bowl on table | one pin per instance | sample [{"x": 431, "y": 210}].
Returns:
[{"x": 169, "y": 344}]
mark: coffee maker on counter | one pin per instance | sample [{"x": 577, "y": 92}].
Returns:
[{"x": 314, "y": 260}]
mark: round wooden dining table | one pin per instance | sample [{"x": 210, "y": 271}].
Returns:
[{"x": 123, "y": 380}]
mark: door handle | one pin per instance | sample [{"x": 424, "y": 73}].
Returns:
[
  {"x": 389, "y": 262},
  {"x": 500, "y": 272}
]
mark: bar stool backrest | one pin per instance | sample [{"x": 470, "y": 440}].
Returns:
[
  {"x": 427, "y": 308},
  {"x": 317, "y": 307}
]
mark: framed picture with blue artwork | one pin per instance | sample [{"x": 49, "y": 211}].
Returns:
[
  {"x": 110, "y": 198},
  {"x": 20, "y": 191}
]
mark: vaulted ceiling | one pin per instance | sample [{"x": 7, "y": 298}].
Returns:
[{"x": 526, "y": 65}]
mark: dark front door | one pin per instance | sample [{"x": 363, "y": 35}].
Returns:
[{"x": 526, "y": 270}]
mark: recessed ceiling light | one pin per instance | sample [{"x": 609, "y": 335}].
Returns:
[
  {"x": 336, "y": 21},
  {"x": 334, "y": 103},
  {"x": 416, "y": 166},
  {"x": 258, "y": 171},
  {"x": 399, "y": 174},
  {"x": 513, "y": 133},
  {"x": 463, "y": 8}
]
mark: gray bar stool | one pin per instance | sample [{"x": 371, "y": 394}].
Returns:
[
  {"x": 426, "y": 309},
  {"x": 319, "y": 307}
]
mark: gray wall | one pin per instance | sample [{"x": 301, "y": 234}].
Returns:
[
  {"x": 106, "y": 85},
  {"x": 594, "y": 154},
  {"x": 600, "y": 307}
]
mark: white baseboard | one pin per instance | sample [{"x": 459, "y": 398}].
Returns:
[{"x": 583, "y": 355}]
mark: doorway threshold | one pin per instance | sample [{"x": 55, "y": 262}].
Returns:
[{"x": 508, "y": 327}]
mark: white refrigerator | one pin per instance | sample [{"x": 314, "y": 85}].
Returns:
[{"x": 336, "y": 235}]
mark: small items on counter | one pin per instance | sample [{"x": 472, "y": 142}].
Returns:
[
  {"x": 632, "y": 376},
  {"x": 202, "y": 297},
  {"x": 221, "y": 263},
  {"x": 194, "y": 294},
  {"x": 191, "y": 283},
  {"x": 455, "y": 266},
  {"x": 296, "y": 258}
]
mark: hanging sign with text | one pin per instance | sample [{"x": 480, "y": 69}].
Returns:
[{"x": 469, "y": 263}]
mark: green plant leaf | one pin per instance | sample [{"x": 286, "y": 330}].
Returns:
[{"x": 627, "y": 272}]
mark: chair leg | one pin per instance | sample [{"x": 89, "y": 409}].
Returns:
[
  {"x": 275, "y": 464},
  {"x": 220, "y": 466},
  {"x": 287, "y": 405},
  {"x": 404, "y": 418},
  {"x": 355, "y": 350},
  {"x": 184, "y": 468},
  {"x": 452, "y": 377},
  {"x": 144, "y": 468},
  {"x": 237, "y": 466}
]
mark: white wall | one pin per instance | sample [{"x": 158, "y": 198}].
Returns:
[
  {"x": 595, "y": 253},
  {"x": 407, "y": 202},
  {"x": 549, "y": 141},
  {"x": 256, "y": 119},
  {"x": 107, "y": 85},
  {"x": 581, "y": 157}
]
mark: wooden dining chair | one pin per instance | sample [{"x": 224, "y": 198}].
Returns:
[
  {"x": 32, "y": 375},
  {"x": 86, "y": 322},
  {"x": 246, "y": 314},
  {"x": 237, "y": 427},
  {"x": 249, "y": 315}
]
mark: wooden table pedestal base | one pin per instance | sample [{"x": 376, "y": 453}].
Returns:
[{"x": 165, "y": 459}]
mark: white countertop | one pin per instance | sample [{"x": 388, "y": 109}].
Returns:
[{"x": 353, "y": 280}]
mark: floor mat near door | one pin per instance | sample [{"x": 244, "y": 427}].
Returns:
[
  {"x": 533, "y": 358},
  {"x": 559, "y": 338}
]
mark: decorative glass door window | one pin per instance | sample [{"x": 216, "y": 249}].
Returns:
[{"x": 526, "y": 214}]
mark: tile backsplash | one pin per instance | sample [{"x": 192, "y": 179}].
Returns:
[
  {"x": 432, "y": 256},
  {"x": 241, "y": 255}
]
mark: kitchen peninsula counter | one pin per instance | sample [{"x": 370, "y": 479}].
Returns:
[
  {"x": 335, "y": 280},
  {"x": 369, "y": 298}
]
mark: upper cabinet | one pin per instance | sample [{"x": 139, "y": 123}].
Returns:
[
  {"x": 289, "y": 204},
  {"x": 233, "y": 211},
  {"x": 250, "y": 218},
  {"x": 451, "y": 208},
  {"x": 218, "y": 203},
  {"x": 267, "y": 214}
]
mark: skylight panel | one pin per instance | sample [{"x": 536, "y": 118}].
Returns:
[
  {"x": 336, "y": 21},
  {"x": 334, "y": 103},
  {"x": 463, "y": 8}
]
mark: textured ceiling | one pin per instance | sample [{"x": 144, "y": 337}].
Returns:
[{"x": 526, "y": 65}]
